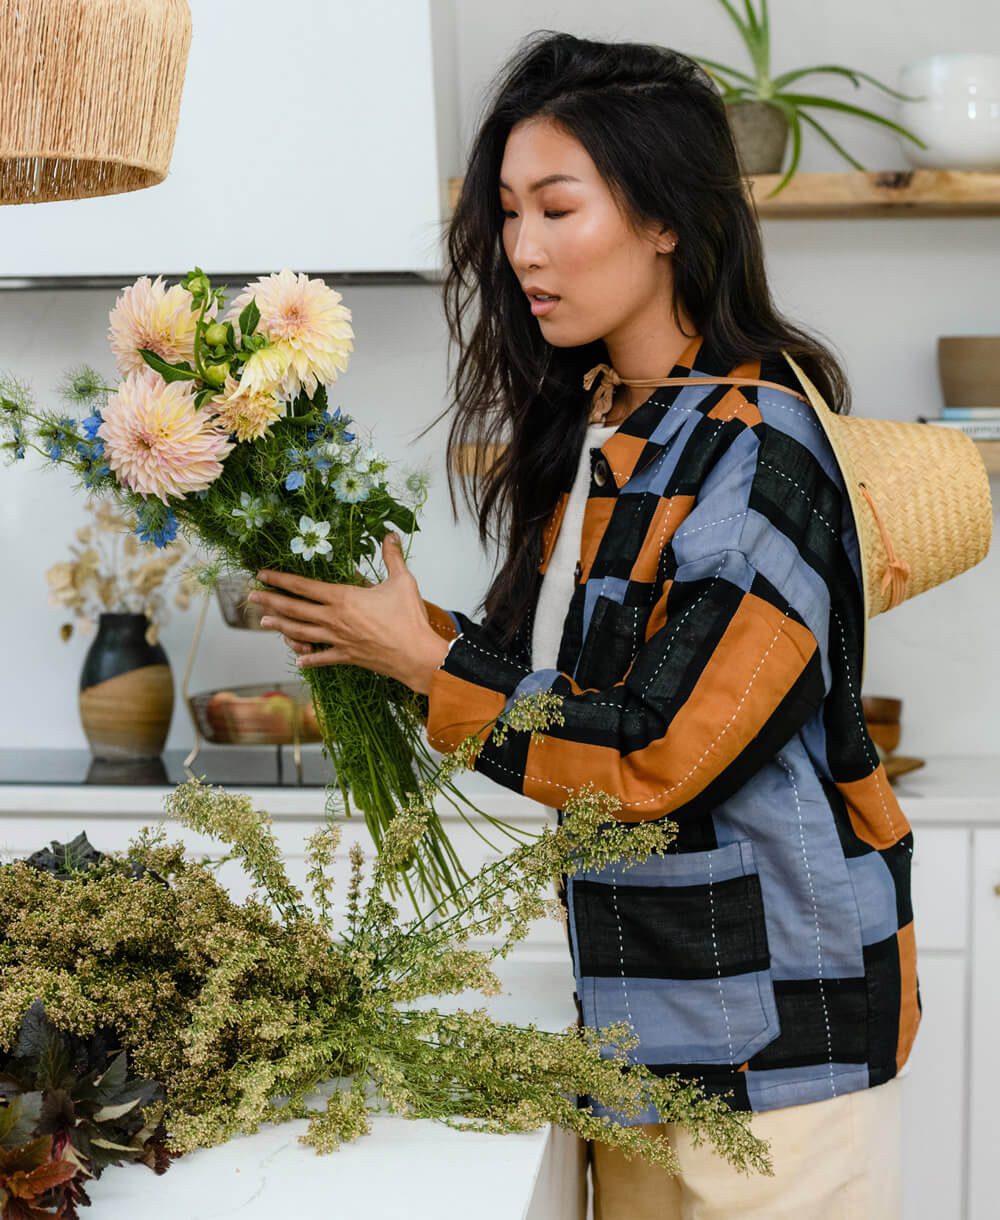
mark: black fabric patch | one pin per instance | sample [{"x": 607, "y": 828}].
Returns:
[
  {"x": 715, "y": 1080},
  {"x": 671, "y": 932},
  {"x": 898, "y": 860},
  {"x": 884, "y": 988},
  {"x": 616, "y": 634},
  {"x": 821, "y": 1020}
]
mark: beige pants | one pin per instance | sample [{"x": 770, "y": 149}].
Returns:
[{"x": 837, "y": 1159}]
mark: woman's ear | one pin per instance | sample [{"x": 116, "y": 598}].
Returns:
[{"x": 664, "y": 239}]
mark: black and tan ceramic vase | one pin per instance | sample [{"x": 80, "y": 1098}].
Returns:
[{"x": 126, "y": 691}]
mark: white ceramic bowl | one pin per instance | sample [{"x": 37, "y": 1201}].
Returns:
[{"x": 959, "y": 119}]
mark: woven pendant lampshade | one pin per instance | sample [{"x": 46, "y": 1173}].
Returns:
[{"x": 90, "y": 91}]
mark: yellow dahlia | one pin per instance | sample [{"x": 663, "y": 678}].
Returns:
[
  {"x": 156, "y": 441},
  {"x": 151, "y": 316},
  {"x": 309, "y": 329},
  {"x": 248, "y": 413}
]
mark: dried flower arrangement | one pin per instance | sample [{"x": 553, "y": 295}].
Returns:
[
  {"x": 240, "y": 1010},
  {"x": 112, "y": 571}
]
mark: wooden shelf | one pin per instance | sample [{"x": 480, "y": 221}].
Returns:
[{"x": 861, "y": 195}]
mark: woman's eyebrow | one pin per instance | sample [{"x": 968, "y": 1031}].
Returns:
[{"x": 546, "y": 181}]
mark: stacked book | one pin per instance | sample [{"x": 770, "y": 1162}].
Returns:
[{"x": 981, "y": 423}]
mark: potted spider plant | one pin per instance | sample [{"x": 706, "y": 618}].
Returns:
[{"x": 762, "y": 109}]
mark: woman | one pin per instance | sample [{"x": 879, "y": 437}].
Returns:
[{"x": 680, "y": 564}]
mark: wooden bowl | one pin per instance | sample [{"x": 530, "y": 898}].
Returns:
[
  {"x": 882, "y": 709},
  {"x": 969, "y": 369},
  {"x": 885, "y": 735}
]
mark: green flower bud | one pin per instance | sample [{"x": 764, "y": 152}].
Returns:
[
  {"x": 215, "y": 333},
  {"x": 215, "y": 374}
]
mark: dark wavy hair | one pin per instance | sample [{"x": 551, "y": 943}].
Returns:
[{"x": 655, "y": 126}]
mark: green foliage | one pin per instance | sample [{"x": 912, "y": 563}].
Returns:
[
  {"x": 736, "y": 86},
  {"x": 241, "y": 1010}
]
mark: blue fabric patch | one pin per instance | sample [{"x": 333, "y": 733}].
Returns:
[
  {"x": 540, "y": 679},
  {"x": 722, "y": 1020},
  {"x": 678, "y": 868},
  {"x": 876, "y": 896},
  {"x": 797, "y": 1086}
]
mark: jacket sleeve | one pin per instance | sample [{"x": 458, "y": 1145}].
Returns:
[{"x": 730, "y": 669}]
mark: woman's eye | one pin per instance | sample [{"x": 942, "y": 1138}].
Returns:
[{"x": 548, "y": 215}]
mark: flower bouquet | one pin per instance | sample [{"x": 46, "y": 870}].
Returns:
[{"x": 220, "y": 427}]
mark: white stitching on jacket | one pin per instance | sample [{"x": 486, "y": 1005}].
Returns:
[
  {"x": 812, "y": 894},
  {"x": 621, "y": 948},
  {"x": 715, "y": 950}
]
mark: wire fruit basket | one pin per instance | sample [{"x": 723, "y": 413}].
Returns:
[{"x": 250, "y": 714}]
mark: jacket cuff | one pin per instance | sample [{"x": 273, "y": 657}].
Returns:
[{"x": 468, "y": 691}]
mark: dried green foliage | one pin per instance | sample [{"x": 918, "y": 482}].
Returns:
[{"x": 242, "y": 1009}]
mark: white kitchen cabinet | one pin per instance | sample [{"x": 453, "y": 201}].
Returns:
[
  {"x": 293, "y": 148},
  {"x": 934, "y": 1077},
  {"x": 984, "y": 1045}
]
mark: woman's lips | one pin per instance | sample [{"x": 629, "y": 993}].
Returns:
[{"x": 542, "y": 307}]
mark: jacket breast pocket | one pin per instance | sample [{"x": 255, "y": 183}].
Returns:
[
  {"x": 615, "y": 634},
  {"x": 677, "y": 946}
]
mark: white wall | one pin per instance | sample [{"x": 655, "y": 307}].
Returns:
[{"x": 879, "y": 291}]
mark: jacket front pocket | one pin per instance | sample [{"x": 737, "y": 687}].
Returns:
[{"x": 677, "y": 947}]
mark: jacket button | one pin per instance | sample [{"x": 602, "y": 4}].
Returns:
[
  {"x": 601, "y": 471},
  {"x": 578, "y": 571}
]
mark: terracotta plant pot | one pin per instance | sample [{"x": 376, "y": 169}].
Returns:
[
  {"x": 760, "y": 132},
  {"x": 126, "y": 691}
]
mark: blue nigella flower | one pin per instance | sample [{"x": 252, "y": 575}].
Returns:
[
  {"x": 297, "y": 475},
  {"x": 93, "y": 468},
  {"x": 64, "y": 436},
  {"x": 91, "y": 424},
  {"x": 157, "y": 523}
]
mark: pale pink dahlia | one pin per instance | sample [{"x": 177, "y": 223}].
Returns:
[
  {"x": 156, "y": 441},
  {"x": 151, "y": 316},
  {"x": 309, "y": 329},
  {"x": 248, "y": 413}
]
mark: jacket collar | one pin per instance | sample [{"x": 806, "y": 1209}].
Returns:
[{"x": 643, "y": 435}]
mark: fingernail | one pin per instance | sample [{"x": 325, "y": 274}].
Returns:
[{"x": 266, "y": 622}]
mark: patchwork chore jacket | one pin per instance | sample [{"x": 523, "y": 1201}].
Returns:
[{"x": 710, "y": 668}]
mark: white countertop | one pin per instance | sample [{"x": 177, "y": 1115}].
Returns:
[
  {"x": 949, "y": 788},
  {"x": 404, "y": 1170}
]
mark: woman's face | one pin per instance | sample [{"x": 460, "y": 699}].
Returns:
[{"x": 568, "y": 238}]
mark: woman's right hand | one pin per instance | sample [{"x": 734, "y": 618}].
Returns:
[{"x": 301, "y": 647}]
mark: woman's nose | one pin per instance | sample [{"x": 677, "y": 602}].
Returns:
[{"x": 527, "y": 251}]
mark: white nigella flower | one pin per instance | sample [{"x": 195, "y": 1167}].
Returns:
[
  {"x": 252, "y": 510},
  {"x": 329, "y": 449},
  {"x": 311, "y": 538},
  {"x": 363, "y": 462},
  {"x": 352, "y": 485}
]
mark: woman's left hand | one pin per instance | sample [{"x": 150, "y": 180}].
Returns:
[{"x": 383, "y": 627}]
